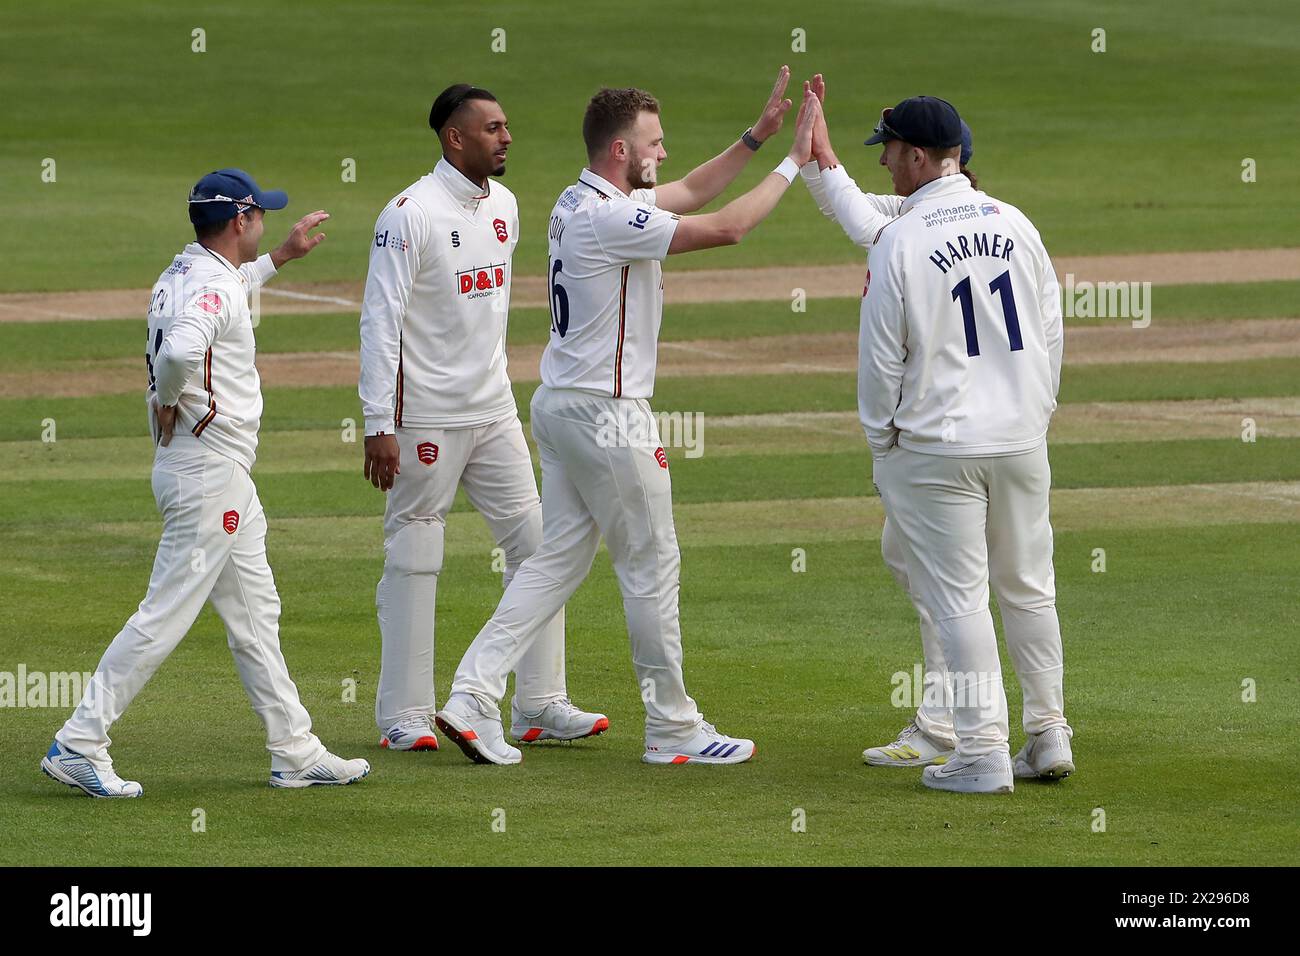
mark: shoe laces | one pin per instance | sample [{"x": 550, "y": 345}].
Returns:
[
  {"x": 708, "y": 728},
  {"x": 565, "y": 706},
  {"x": 911, "y": 730}
]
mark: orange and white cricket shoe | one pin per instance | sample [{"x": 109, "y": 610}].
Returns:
[
  {"x": 410, "y": 733},
  {"x": 558, "y": 720},
  {"x": 477, "y": 734},
  {"x": 707, "y": 746}
]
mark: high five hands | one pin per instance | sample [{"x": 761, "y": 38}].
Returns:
[
  {"x": 821, "y": 141},
  {"x": 810, "y": 111},
  {"x": 773, "y": 116}
]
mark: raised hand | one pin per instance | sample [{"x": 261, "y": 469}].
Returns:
[
  {"x": 810, "y": 112},
  {"x": 819, "y": 87},
  {"x": 773, "y": 115},
  {"x": 821, "y": 143},
  {"x": 299, "y": 243},
  {"x": 803, "y": 103},
  {"x": 822, "y": 151}
]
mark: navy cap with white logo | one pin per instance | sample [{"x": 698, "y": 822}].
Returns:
[
  {"x": 223, "y": 194},
  {"x": 920, "y": 121}
]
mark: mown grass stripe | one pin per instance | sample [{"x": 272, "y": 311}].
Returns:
[
  {"x": 766, "y": 522},
  {"x": 756, "y": 477},
  {"x": 295, "y": 409},
  {"x": 800, "y": 433},
  {"x": 43, "y": 344},
  {"x": 34, "y": 345}
]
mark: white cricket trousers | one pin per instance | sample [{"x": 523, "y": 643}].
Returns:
[
  {"x": 969, "y": 522},
  {"x": 934, "y": 710},
  {"x": 492, "y": 464},
  {"x": 603, "y": 473},
  {"x": 213, "y": 548}
]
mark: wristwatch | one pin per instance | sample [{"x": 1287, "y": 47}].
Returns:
[{"x": 747, "y": 138}]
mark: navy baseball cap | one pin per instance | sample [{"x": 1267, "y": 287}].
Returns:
[
  {"x": 223, "y": 194},
  {"x": 920, "y": 121},
  {"x": 967, "y": 145}
]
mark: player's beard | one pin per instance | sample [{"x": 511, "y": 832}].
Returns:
[
  {"x": 637, "y": 168},
  {"x": 499, "y": 170}
]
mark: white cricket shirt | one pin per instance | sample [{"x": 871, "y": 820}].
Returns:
[
  {"x": 606, "y": 288},
  {"x": 433, "y": 319},
  {"x": 200, "y": 350},
  {"x": 960, "y": 343}
]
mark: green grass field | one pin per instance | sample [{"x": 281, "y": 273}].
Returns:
[{"x": 1137, "y": 149}]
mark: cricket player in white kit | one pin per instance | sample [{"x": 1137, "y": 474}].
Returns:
[
  {"x": 604, "y": 470},
  {"x": 440, "y": 414},
  {"x": 959, "y": 365},
  {"x": 199, "y": 354},
  {"x": 928, "y": 737}
]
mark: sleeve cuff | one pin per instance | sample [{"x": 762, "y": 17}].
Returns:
[
  {"x": 263, "y": 269},
  {"x": 376, "y": 426},
  {"x": 668, "y": 237},
  {"x": 835, "y": 175},
  {"x": 880, "y": 440},
  {"x": 810, "y": 171}
]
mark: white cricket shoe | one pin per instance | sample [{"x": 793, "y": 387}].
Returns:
[
  {"x": 990, "y": 773},
  {"x": 707, "y": 746},
  {"x": 912, "y": 748},
  {"x": 410, "y": 733},
  {"x": 1046, "y": 755},
  {"x": 330, "y": 770},
  {"x": 74, "y": 769},
  {"x": 558, "y": 720},
  {"x": 477, "y": 734}
]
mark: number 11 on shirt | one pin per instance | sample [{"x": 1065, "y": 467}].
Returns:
[{"x": 1002, "y": 285}]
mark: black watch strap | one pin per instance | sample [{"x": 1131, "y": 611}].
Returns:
[{"x": 747, "y": 138}]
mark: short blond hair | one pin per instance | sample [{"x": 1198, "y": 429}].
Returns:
[{"x": 611, "y": 114}]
